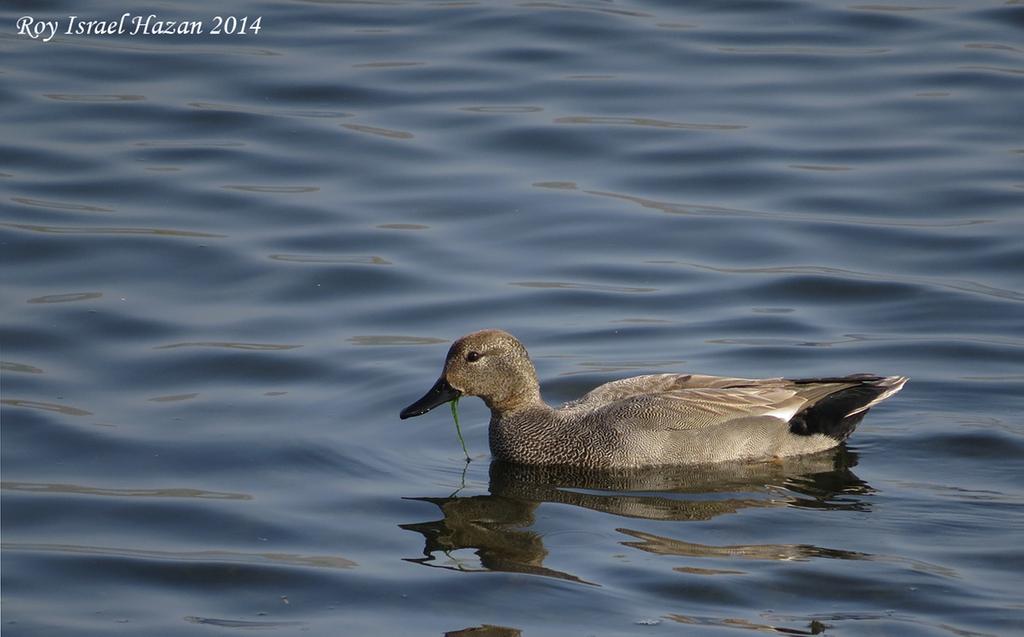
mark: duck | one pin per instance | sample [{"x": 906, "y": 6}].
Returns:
[{"x": 649, "y": 420}]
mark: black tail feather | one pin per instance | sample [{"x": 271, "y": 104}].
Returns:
[
  {"x": 852, "y": 378},
  {"x": 837, "y": 415}
]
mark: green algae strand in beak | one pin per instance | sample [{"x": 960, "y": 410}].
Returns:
[{"x": 458, "y": 429}]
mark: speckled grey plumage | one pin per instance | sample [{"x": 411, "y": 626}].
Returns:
[{"x": 660, "y": 419}]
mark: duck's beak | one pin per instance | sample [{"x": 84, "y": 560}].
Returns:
[{"x": 439, "y": 394}]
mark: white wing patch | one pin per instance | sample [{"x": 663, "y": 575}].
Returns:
[{"x": 785, "y": 412}]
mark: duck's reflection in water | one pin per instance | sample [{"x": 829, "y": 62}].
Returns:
[
  {"x": 485, "y": 630},
  {"x": 497, "y": 528}
]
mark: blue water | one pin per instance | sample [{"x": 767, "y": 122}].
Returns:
[{"x": 228, "y": 261}]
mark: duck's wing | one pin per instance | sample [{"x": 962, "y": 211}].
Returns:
[
  {"x": 700, "y": 407},
  {"x": 658, "y": 385},
  {"x": 832, "y": 406}
]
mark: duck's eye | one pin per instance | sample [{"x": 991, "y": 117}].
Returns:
[{"x": 473, "y": 357}]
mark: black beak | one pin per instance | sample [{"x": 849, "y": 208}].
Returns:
[{"x": 439, "y": 394}]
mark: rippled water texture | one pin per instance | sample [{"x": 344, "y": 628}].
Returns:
[{"x": 228, "y": 261}]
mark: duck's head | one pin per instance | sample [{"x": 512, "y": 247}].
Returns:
[{"x": 490, "y": 364}]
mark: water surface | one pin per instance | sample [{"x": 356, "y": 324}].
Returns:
[{"x": 229, "y": 261}]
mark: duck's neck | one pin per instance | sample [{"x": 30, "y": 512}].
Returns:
[
  {"x": 527, "y": 434},
  {"x": 528, "y": 396}
]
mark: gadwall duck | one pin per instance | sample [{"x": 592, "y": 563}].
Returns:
[{"x": 659, "y": 419}]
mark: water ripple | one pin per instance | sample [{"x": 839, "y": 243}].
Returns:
[
  {"x": 67, "y": 97},
  {"x": 272, "y": 189},
  {"x": 60, "y": 205},
  {"x": 245, "y": 624},
  {"x": 386, "y": 65},
  {"x": 563, "y": 285},
  {"x": 208, "y": 557},
  {"x": 392, "y": 340},
  {"x": 971, "y": 287},
  {"x": 379, "y": 131},
  {"x": 780, "y": 552},
  {"x": 70, "y": 297},
  {"x": 197, "y": 430},
  {"x": 47, "y": 487},
  {"x": 10, "y": 366},
  {"x": 644, "y": 122},
  {"x": 67, "y": 410},
  {"x": 313, "y": 258},
  {"x": 701, "y": 209},
  {"x": 797, "y": 50},
  {"x": 245, "y": 108},
  {"x": 230, "y": 345},
  {"x": 162, "y": 232},
  {"x": 502, "y": 109}
]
